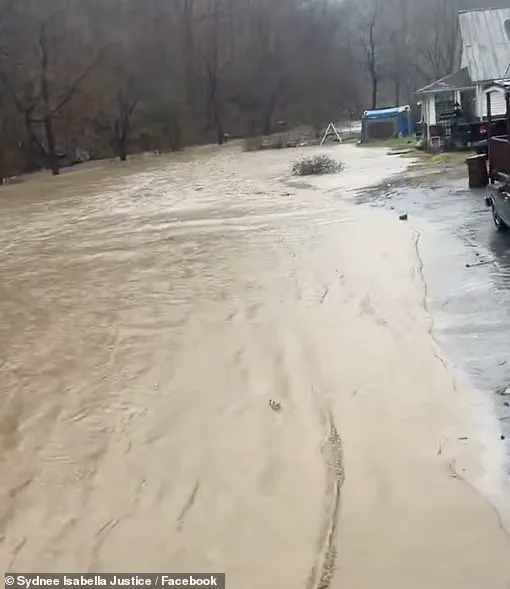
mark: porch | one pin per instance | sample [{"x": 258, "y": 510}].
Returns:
[
  {"x": 449, "y": 106},
  {"x": 498, "y": 145}
]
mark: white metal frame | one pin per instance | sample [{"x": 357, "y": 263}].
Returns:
[{"x": 326, "y": 134}]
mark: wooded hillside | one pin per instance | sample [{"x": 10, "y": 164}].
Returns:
[{"x": 106, "y": 77}]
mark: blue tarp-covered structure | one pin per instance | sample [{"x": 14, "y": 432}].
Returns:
[{"x": 382, "y": 123}]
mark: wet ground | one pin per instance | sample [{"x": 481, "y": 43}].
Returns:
[
  {"x": 150, "y": 313},
  {"x": 467, "y": 269}
]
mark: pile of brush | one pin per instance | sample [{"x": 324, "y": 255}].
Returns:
[{"x": 318, "y": 164}]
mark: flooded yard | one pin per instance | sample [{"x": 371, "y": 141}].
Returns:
[{"x": 149, "y": 313}]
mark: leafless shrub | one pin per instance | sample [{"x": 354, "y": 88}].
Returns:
[{"x": 319, "y": 164}]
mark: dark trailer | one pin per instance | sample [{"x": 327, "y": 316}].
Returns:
[{"x": 383, "y": 123}]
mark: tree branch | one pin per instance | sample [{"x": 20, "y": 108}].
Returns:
[
  {"x": 75, "y": 85},
  {"x": 23, "y": 108}
]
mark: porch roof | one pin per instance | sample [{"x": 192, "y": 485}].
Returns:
[
  {"x": 458, "y": 81},
  {"x": 498, "y": 86}
]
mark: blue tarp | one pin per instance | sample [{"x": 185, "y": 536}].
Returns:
[
  {"x": 401, "y": 115},
  {"x": 385, "y": 113}
]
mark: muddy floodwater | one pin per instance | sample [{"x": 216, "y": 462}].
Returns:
[{"x": 149, "y": 315}]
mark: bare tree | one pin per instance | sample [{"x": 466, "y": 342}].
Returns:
[
  {"x": 39, "y": 101},
  {"x": 214, "y": 65},
  {"x": 126, "y": 102},
  {"x": 371, "y": 46},
  {"x": 434, "y": 38},
  {"x": 398, "y": 53},
  {"x": 186, "y": 14},
  {"x": 189, "y": 70}
]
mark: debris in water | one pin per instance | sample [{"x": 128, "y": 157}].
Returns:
[
  {"x": 275, "y": 405},
  {"x": 441, "y": 446},
  {"x": 503, "y": 437},
  {"x": 503, "y": 390},
  {"x": 463, "y": 438},
  {"x": 403, "y": 217},
  {"x": 482, "y": 263}
]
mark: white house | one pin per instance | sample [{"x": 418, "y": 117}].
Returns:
[{"x": 483, "y": 56}]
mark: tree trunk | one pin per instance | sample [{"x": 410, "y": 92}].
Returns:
[
  {"x": 215, "y": 110},
  {"x": 50, "y": 139},
  {"x": 122, "y": 147},
  {"x": 189, "y": 65},
  {"x": 175, "y": 133},
  {"x": 268, "y": 115},
  {"x": 45, "y": 95},
  {"x": 397, "y": 92},
  {"x": 36, "y": 154},
  {"x": 220, "y": 134},
  {"x": 121, "y": 131},
  {"x": 375, "y": 83}
]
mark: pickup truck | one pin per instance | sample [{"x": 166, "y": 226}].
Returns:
[
  {"x": 464, "y": 134},
  {"x": 478, "y": 133}
]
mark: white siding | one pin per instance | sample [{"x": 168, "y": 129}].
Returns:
[
  {"x": 430, "y": 109},
  {"x": 498, "y": 105},
  {"x": 480, "y": 102},
  {"x": 425, "y": 111}
]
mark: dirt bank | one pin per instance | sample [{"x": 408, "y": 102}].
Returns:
[{"x": 149, "y": 315}]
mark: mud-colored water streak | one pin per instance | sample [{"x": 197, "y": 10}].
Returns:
[{"x": 149, "y": 312}]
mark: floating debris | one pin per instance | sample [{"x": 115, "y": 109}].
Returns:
[
  {"x": 275, "y": 405},
  {"x": 403, "y": 217},
  {"x": 503, "y": 390},
  {"x": 324, "y": 295},
  {"x": 482, "y": 263}
]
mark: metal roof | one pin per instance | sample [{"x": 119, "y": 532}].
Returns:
[
  {"x": 486, "y": 43},
  {"x": 458, "y": 81}
]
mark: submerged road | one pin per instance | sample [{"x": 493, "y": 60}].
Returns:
[{"x": 150, "y": 313}]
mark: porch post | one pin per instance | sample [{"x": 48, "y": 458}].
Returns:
[
  {"x": 432, "y": 106},
  {"x": 479, "y": 102},
  {"x": 507, "y": 102},
  {"x": 489, "y": 125}
]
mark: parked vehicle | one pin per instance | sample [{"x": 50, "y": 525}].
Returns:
[
  {"x": 479, "y": 133},
  {"x": 499, "y": 202},
  {"x": 498, "y": 198}
]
